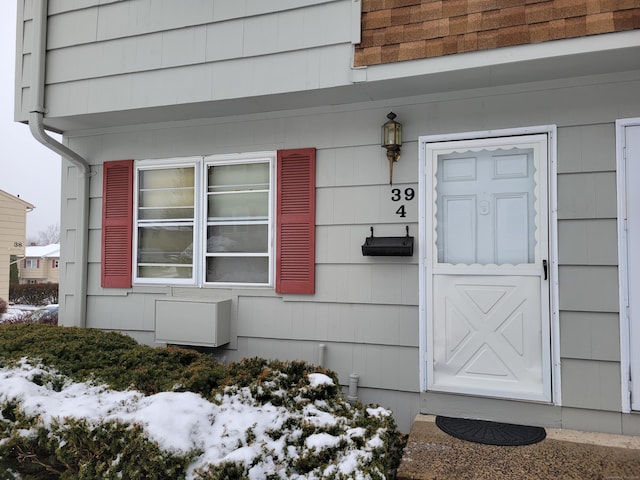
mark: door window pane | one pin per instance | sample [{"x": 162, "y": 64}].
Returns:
[{"x": 485, "y": 207}]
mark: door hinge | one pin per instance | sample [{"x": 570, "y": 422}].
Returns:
[{"x": 630, "y": 388}]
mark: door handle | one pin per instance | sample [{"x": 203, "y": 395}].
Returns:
[{"x": 544, "y": 268}]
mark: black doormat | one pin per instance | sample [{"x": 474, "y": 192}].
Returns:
[{"x": 490, "y": 433}]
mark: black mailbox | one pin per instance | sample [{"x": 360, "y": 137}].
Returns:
[{"x": 389, "y": 246}]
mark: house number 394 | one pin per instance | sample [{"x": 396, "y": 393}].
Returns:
[{"x": 397, "y": 195}]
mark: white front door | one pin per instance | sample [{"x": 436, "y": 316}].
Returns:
[
  {"x": 629, "y": 178},
  {"x": 486, "y": 268}
]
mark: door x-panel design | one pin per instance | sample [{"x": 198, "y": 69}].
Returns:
[{"x": 489, "y": 338}]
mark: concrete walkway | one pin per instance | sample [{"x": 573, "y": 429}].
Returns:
[{"x": 565, "y": 454}]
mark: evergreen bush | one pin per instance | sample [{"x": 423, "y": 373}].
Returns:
[
  {"x": 13, "y": 270},
  {"x": 85, "y": 354},
  {"x": 80, "y": 449},
  {"x": 34, "y": 293}
]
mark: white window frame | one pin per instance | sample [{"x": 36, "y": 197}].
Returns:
[
  {"x": 200, "y": 164},
  {"x": 238, "y": 159},
  {"x": 31, "y": 263},
  {"x": 160, "y": 164}
]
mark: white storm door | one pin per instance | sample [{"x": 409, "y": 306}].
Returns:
[
  {"x": 487, "y": 272},
  {"x": 631, "y": 213}
]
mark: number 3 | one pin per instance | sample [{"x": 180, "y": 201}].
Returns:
[{"x": 396, "y": 194}]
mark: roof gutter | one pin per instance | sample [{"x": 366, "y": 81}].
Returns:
[{"x": 77, "y": 315}]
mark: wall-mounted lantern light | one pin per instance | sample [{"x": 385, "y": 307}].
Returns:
[{"x": 392, "y": 141}]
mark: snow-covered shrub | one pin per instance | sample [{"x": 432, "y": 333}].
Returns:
[
  {"x": 118, "y": 360},
  {"x": 66, "y": 412},
  {"x": 75, "y": 449},
  {"x": 3, "y": 306}
]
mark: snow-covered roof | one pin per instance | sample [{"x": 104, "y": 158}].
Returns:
[{"x": 46, "y": 251}]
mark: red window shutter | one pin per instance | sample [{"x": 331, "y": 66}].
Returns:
[
  {"x": 295, "y": 221},
  {"x": 117, "y": 224},
  {"x": 38, "y": 263}
]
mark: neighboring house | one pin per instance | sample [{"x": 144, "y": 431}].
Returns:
[
  {"x": 13, "y": 231},
  {"x": 41, "y": 264},
  {"x": 223, "y": 169}
]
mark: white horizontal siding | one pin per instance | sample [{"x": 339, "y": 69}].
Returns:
[
  {"x": 588, "y": 242},
  {"x": 269, "y": 317},
  {"x": 123, "y": 55},
  {"x": 366, "y": 205},
  {"x": 341, "y": 244},
  {"x": 194, "y": 44},
  {"x": 378, "y": 366},
  {"x": 278, "y": 73},
  {"x": 122, "y": 18}
]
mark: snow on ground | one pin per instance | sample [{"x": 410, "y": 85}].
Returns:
[
  {"x": 14, "y": 312},
  {"x": 183, "y": 421}
]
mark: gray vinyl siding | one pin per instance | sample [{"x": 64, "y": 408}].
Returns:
[
  {"x": 105, "y": 56},
  {"x": 365, "y": 309},
  {"x": 588, "y": 273}
]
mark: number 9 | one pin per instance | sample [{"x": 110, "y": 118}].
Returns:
[{"x": 409, "y": 193}]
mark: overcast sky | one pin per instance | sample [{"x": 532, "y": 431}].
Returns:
[{"x": 27, "y": 168}]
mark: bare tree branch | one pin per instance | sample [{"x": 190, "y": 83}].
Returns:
[{"x": 49, "y": 235}]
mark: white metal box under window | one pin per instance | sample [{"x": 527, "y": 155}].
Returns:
[{"x": 189, "y": 322}]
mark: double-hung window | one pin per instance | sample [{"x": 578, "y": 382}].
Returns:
[
  {"x": 238, "y": 216},
  {"x": 222, "y": 220},
  {"x": 204, "y": 220},
  {"x": 165, "y": 220}
]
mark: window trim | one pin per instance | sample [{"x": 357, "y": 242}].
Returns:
[
  {"x": 200, "y": 222},
  {"x": 33, "y": 263},
  {"x": 158, "y": 164},
  {"x": 239, "y": 159}
]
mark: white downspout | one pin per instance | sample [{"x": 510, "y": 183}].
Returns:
[{"x": 36, "y": 125}]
